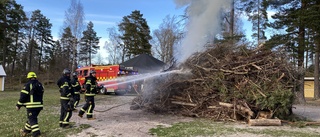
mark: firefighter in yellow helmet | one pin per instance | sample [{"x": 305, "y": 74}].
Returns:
[{"x": 31, "y": 97}]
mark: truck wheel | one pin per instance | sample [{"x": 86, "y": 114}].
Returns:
[
  {"x": 103, "y": 91},
  {"x": 121, "y": 92}
]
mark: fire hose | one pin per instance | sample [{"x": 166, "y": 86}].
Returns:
[{"x": 111, "y": 107}]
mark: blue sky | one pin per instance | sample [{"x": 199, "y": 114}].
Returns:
[{"x": 104, "y": 13}]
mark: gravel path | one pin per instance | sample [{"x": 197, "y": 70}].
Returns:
[
  {"x": 123, "y": 122},
  {"x": 310, "y": 112}
]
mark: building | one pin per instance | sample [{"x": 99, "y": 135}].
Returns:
[
  {"x": 2, "y": 77},
  {"x": 144, "y": 63},
  {"x": 309, "y": 87}
]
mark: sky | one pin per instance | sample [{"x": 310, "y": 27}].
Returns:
[
  {"x": 104, "y": 13},
  {"x": 108, "y": 13}
]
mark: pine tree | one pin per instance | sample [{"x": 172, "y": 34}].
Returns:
[
  {"x": 12, "y": 18},
  {"x": 136, "y": 34},
  {"x": 44, "y": 37},
  {"x": 256, "y": 10},
  {"x": 289, "y": 17},
  {"x": 89, "y": 44},
  {"x": 67, "y": 41}
]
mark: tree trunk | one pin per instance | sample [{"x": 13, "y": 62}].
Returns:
[
  {"x": 316, "y": 72},
  {"x": 74, "y": 59},
  {"x": 301, "y": 49},
  {"x": 40, "y": 54}
]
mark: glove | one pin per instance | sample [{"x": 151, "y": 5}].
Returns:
[{"x": 18, "y": 106}]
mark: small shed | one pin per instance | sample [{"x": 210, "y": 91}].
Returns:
[
  {"x": 144, "y": 63},
  {"x": 2, "y": 77},
  {"x": 309, "y": 87}
]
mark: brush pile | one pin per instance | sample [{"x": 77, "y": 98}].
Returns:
[{"x": 224, "y": 83}]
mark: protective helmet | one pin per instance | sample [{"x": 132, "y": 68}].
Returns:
[
  {"x": 92, "y": 71},
  {"x": 74, "y": 74},
  {"x": 66, "y": 71},
  {"x": 31, "y": 75}
]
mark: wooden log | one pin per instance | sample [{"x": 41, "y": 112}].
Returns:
[
  {"x": 264, "y": 122},
  {"x": 247, "y": 110},
  {"x": 183, "y": 103}
]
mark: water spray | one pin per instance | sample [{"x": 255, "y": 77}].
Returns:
[{"x": 129, "y": 79}]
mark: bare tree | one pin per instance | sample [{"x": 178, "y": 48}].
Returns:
[
  {"x": 99, "y": 59},
  {"x": 74, "y": 18},
  {"x": 166, "y": 36},
  {"x": 113, "y": 47}
]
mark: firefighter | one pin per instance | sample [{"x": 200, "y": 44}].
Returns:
[
  {"x": 90, "y": 86},
  {"x": 76, "y": 88},
  {"x": 66, "y": 97},
  {"x": 31, "y": 97}
]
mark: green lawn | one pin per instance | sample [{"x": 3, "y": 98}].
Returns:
[{"x": 12, "y": 120}]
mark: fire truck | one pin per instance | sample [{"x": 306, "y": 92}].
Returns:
[{"x": 111, "y": 77}]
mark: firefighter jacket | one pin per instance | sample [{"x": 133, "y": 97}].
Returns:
[
  {"x": 66, "y": 91},
  {"x": 31, "y": 95},
  {"x": 75, "y": 85},
  {"x": 90, "y": 84}
]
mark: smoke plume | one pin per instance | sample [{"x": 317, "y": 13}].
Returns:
[{"x": 203, "y": 23}]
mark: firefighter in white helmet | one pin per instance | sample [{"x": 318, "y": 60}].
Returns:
[
  {"x": 76, "y": 89},
  {"x": 31, "y": 97},
  {"x": 90, "y": 84},
  {"x": 66, "y": 94}
]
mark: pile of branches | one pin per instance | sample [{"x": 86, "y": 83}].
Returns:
[{"x": 224, "y": 83}]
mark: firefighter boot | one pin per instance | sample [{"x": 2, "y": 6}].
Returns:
[
  {"x": 22, "y": 133},
  {"x": 92, "y": 118}
]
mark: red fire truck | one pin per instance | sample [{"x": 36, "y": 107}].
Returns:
[{"x": 112, "y": 77}]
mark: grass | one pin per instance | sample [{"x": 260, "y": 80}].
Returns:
[
  {"x": 12, "y": 120},
  {"x": 211, "y": 128}
]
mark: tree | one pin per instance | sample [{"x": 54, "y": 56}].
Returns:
[
  {"x": 166, "y": 36},
  {"x": 39, "y": 31},
  {"x": 312, "y": 20},
  {"x": 89, "y": 43},
  {"x": 44, "y": 37},
  {"x": 12, "y": 18},
  {"x": 289, "y": 17},
  {"x": 74, "y": 19},
  {"x": 136, "y": 34},
  {"x": 67, "y": 41},
  {"x": 116, "y": 52},
  {"x": 232, "y": 25},
  {"x": 257, "y": 13}
]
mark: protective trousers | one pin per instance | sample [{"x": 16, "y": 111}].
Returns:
[
  {"x": 76, "y": 98},
  {"x": 88, "y": 107},
  {"x": 32, "y": 123},
  {"x": 65, "y": 112}
]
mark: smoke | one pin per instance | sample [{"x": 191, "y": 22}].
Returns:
[{"x": 204, "y": 18}]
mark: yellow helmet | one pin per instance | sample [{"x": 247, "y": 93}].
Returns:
[{"x": 31, "y": 75}]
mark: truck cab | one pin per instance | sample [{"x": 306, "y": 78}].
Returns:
[{"x": 111, "y": 77}]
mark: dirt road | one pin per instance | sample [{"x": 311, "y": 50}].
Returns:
[
  {"x": 121, "y": 121},
  {"x": 310, "y": 112}
]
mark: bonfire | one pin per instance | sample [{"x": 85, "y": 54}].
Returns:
[{"x": 224, "y": 83}]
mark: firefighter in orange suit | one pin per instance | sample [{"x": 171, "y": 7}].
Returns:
[
  {"x": 90, "y": 84},
  {"x": 76, "y": 88},
  {"x": 31, "y": 97},
  {"x": 66, "y": 94}
]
